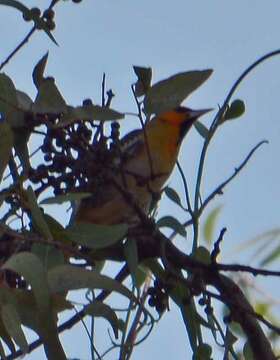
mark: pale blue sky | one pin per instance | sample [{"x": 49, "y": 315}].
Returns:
[{"x": 111, "y": 36}]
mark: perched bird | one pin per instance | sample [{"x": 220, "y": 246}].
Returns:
[{"x": 147, "y": 159}]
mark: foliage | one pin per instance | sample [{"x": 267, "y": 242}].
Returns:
[{"x": 43, "y": 261}]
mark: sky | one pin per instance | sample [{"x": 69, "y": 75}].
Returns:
[{"x": 111, "y": 36}]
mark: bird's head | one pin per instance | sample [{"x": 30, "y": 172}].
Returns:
[{"x": 181, "y": 118}]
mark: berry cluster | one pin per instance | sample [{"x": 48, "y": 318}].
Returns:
[
  {"x": 158, "y": 297},
  {"x": 35, "y": 15},
  {"x": 75, "y": 157}
]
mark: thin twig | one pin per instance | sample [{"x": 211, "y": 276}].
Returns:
[
  {"x": 20, "y": 45},
  {"x": 219, "y": 189}
]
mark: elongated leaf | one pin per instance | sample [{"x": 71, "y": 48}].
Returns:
[
  {"x": 201, "y": 129},
  {"x": 169, "y": 93},
  {"x": 98, "y": 309},
  {"x": 143, "y": 83},
  {"x": 49, "y": 255},
  {"x": 172, "y": 223},
  {"x": 87, "y": 113},
  {"x": 8, "y": 101},
  {"x": 49, "y": 100},
  {"x": 6, "y": 145},
  {"x": 96, "y": 236},
  {"x": 37, "y": 216},
  {"x": 210, "y": 223},
  {"x": 21, "y": 138},
  {"x": 173, "y": 195},
  {"x": 12, "y": 323},
  {"x": 24, "y": 101},
  {"x": 30, "y": 267},
  {"x": 67, "y": 277},
  {"x": 131, "y": 255},
  {"x": 38, "y": 72},
  {"x": 60, "y": 199}
]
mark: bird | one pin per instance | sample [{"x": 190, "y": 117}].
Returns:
[{"x": 148, "y": 156}]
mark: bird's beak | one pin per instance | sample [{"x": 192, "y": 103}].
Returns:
[{"x": 195, "y": 114}]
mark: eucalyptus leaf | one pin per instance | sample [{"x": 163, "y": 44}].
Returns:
[
  {"x": 201, "y": 129},
  {"x": 30, "y": 267},
  {"x": 49, "y": 100},
  {"x": 96, "y": 236},
  {"x": 37, "y": 215},
  {"x": 173, "y": 195},
  {"x": 60, "y": 199},
  {"x": 143, "y": 83},
  {"x": 172, "y": 223},
  {"x": 88, "y": 113},
  {"x": 169, "y": 93},
  {"x": 21, "y": 138},
  {"x": 39, "y": 69},
  {"x": 8, "y": 100},
  {"x": 24, "y": 101},
  {"x": 6, "y": 145},
  {"x": 12, "y": 323},
  {"x": 98, "y": 309},
  {"x": 131, "y": 256},
  {"x": 66, "y": 277}
]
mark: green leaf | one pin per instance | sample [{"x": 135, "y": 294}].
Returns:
[
  {"x": 236, "y": 109},
  {"x": 98, "y": 309},
  {"x": 201, "y": 129},
  {"x": 143, "y": 83},
  {"x": 210, "y": 223},
  {"x": 8, "y": 100},
  {"x": 88, "y": 113},
  {"x": 49, "y": 100},
  {"x": 60, "y": 199},
  {"x": 24, "y": 101},
  {"x": 30, "y": 267},
  {"x": 6, "y": 145},
  {"x": 12, "y": 323},
  {"x": 172, "y": 223},
  {"x": 36, "y": 214},
  {"x": 38, "y": 72},
  {"x": 66, "y": 277},
  {"x": 96, "y": 236},
  {"x": 131, "y": 256},
  {"x": 49, "y": 255},
  {"x": 169, "y": 93},
  {"x": 21, "y": 138},
  {"x": 173, "y": 195}
]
